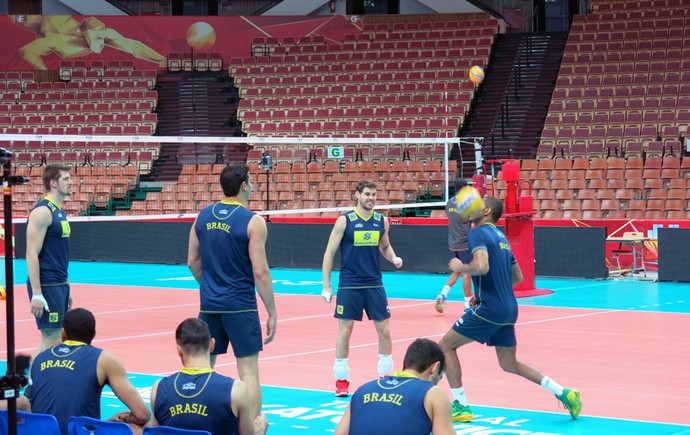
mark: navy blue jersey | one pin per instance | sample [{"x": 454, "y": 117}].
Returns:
[
  {"x": 360, "y": 259},
  {"x": 227, "y": 276},
  {"x": 65, "y": 382},
  {"x": 196, "y": 399},
  {"x": 494, "y": 291},
  {"x": 457, "y": 227},
  {"x": 392, "y": 405},
  {"x": 53, "y": 259}
]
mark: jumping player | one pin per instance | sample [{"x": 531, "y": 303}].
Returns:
[{"x": 491, "y": 320}]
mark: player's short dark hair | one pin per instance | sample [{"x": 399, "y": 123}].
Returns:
[
  {"x": 496, "y": 206},
  {"x": 193, "y": 336},
  {"x": 52, "y": 172},
  {"x": 459, "y": 184},
  {"x": 232, "y": 177},
  {"x": 422, "y": 354},
  {"x": 79, "y": 325},
  {"x": 363, "y": 184}
]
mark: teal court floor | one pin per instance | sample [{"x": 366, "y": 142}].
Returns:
[{"x": 665, "y": 307}]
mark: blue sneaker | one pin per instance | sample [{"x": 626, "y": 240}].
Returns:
[{"x": 440, "y": 302}]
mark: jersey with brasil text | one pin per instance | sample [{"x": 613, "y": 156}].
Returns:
[
  {"x": 392, "y": 405},
  {"x": 65, "y": 382},
  {"x": 227, "y": 276},
  {"x": 494, "y": 291},
  {"x": 53, "y": 259},
  {"x": 457, "y": 227},
  {"x": 360, "y": 259},
  {"x": 196, "y": 399}
]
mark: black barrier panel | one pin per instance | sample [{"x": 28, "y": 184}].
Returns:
[
  {"x": 559, "y": 251},
  {"x": 673, "y": 257},
  {"x": 122, "y": 241},
  {"x": 422, "y": 248},
  {"x": 569, "y": 251}
]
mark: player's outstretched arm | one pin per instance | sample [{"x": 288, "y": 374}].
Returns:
[
  {"x": 258, "y": 233},
  {"x": 438, "y": 406}
]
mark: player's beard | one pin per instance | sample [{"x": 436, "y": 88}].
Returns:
[{"x": 365, "y": 206}]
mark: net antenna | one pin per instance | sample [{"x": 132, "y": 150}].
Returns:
[{"x": 205, "y": 149}]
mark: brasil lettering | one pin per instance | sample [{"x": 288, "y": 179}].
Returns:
[
  {"x": 58, "y": 364},
  {"x": 189, "y": 408},
  {"x": 389, "y": 398},
  {"x": 218, "y": 226}
]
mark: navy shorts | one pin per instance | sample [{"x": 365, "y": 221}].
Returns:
[
  {"x": 463, "y": 256},
  {"x": 242, "y": 330},
  {"x": 477, "y": 327},
  {"x": 57, "y": 297},
  {"x": 350, "y": 303}
]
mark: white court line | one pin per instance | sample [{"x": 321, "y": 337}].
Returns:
[
  {"x": 155, "y": 334},
  {"x": 413, "y": 338},
  {"x": 129, "y": 310}
]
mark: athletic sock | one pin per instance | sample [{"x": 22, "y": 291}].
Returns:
[
  {"x": 551, "y": 385},
  {"x": 459, "y": 395},
  {"x": 445, "y": 291},
  {"x": 341, "y": 369},
  {"x": 385, "y": 366}
]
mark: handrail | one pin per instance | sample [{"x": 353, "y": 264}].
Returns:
[{"x": 486, "y": 8}]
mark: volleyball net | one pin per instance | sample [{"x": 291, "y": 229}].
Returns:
[{"x": 292, "y": 176}]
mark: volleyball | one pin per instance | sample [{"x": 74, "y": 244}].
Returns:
[
  {"x": 3, "y": 293},
  {"x": 476, "y": 74},
  {"x": 468, "y": 201}
]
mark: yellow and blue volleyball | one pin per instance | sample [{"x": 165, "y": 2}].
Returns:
[
  {"x": 3, "y": 293},
  {"x": 476, "y": 74},
  {"x": 468, "y": 200}
]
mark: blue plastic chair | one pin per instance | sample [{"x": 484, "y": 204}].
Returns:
[
  {"x": 93, "y": 426},
  {"x": 29, "y": 423},
  {"x": 167, "y": 430}
]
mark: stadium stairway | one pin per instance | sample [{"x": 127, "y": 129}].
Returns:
[
  {"x": 194, "y": 104},
  {"x": 521, "y": 75}
]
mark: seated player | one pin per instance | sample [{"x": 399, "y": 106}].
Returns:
[
  {"x": 68, "y": 378},
  {"x": 198, "y": 398},
  {"x": 409, "y": 402}
]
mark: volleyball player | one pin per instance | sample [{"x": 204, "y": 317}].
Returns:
[
  {"x": 494, "y": 312},
  {"x": 47, "y": 257},
  {"x": 457, "y": 243},
  {"x": 198, "y": 398},
  {"x": 409, "y": 402},
  {"x": 68, "y": 378},
  {"x": 362, "y": 236},
  {"x": 227, "y": 256}
]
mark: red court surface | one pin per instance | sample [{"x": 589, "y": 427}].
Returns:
[{"x": 628, "y": 364}]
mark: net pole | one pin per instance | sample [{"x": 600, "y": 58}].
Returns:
[{"x": 445, "y": 146}]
